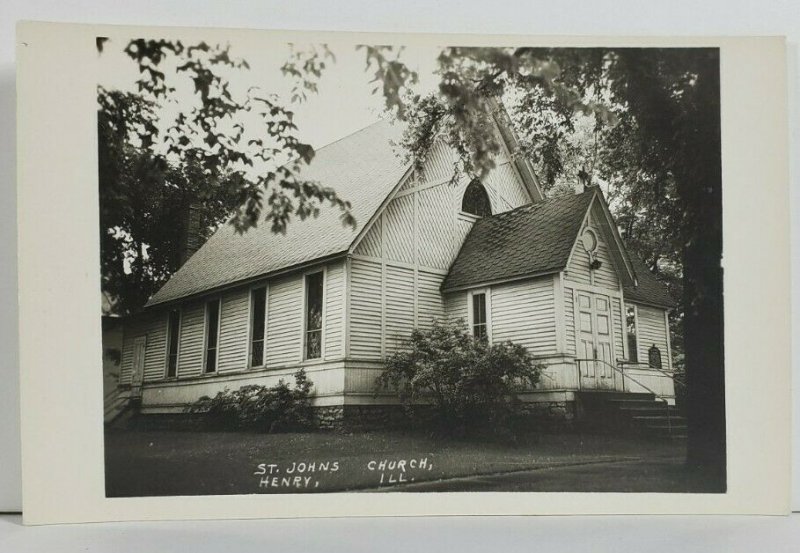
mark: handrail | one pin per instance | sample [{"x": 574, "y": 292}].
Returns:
[
  {"x": 670, "y": 374},
  {"x": 622, "y": 372}
]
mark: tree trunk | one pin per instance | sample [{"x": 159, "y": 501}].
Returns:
[{"x": 701, "y": 192}]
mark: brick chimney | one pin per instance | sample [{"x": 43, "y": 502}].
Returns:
[{"x": 192, "y": 239}]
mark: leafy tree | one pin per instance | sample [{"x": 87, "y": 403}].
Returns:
[
  {"x": 472, "y": 384},
  {"x": 180, "y": 142}
]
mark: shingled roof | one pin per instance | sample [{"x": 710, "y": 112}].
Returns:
[
  {"x": 362, "y": 167},
  {"x": 537, "y": 239},
  {"x": 649, "y": 289},
  {"x": 531, "y": 240}
]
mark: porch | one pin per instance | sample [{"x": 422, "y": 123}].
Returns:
[{"x": 568, "y": 373}]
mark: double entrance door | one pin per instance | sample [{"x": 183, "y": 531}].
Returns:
[{"x": 595, "y": 341}]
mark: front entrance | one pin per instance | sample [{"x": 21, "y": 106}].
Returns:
[{"x": 595, "y": 340}]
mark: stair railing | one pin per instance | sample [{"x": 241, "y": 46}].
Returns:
[
  {"x": 669, "y": 374},
  {"x": 621, "y": 371}
]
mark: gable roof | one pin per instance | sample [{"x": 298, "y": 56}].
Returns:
[
  {"x": 531, "y": 240},
  {"x": 648, "y": 289},
  {"x": 537, "y": 239},
  {"x": 362, "y": 167}
]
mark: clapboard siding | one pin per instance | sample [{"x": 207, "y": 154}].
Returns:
[
  {"x": 430, "y": 306},
  {"x": 455, "y": 307},
  {"x": 569, "y": 319},
  {"x": 285, "y": 321},
  {"x": 334, "y": 311},
  {"x": 651, "y": 328},
  {"x": 154, "y": 328},
  {"x": 190, "y": 358},
  {"x": 365, "y": 309},
  {"x": 399, "y": 307},
  {"x": 233, "y": 331},
  {"x": 524, "y": 312}
]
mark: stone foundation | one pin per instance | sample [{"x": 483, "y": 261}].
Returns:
[
  {"x": 359, "y": 417},
  {"x": 546, "y": 416},
  {"x": 551, "y": 415}
]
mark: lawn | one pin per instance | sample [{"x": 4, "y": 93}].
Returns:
[{"x": 150, "y": 463}]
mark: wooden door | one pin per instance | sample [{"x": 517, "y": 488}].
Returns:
[
  {"x": 137, "y": 374},
  {"x": 604, "y": 342},
  {"x": 586, "y": 340},
  {"x": 595, "y": 341}
]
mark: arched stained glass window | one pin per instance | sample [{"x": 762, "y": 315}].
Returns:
[{"x": 476, "y": 201}]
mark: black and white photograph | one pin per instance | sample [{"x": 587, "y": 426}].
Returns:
[
  {"x": 371, "y": 267},
  {"x": 380, "y": 267}
]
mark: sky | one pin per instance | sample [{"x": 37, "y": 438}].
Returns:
[{"x": 344, "y": 103}]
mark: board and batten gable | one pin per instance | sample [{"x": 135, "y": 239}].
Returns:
[{"x": 397, "y": 266}]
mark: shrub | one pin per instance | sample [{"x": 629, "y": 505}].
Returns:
[
  {"x": 471, "y": 384},
  {"x": 253, "y": 407}
]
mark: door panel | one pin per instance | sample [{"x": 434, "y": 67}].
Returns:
[{"x": 596, "y": 340}]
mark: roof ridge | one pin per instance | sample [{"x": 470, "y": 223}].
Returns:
[
  {"x": 532, "y": 205},
  {"x": 348, "y": 135}
]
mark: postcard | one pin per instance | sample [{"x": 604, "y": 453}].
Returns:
[{"x": 278, "y": 274}]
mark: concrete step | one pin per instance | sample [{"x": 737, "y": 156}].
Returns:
[{"x": 659, "y": 418}]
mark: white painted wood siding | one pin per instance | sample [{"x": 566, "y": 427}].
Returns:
[
  {"x": 578, "y": 269},
  {"x": 155, "y": 330},
  {"x": 421, "y": 225},
  {"x": 399, "y": 307},
  {"x": 430, "y": 305},
  {"x": 365, "y": 319},
  {"x": 455, "y": 306},
  {"x": 234, "y": 331},
  {"x": 524, "y": 312},
  {"x": 652, "y": 329},
  {"x": 334, "y": 311},
  {"x": 399, "y": 264},
  {"x": 569, "y": 319},
  {"x": 285, "y": 321}
]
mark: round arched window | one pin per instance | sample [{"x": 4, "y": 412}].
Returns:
[{"x": 476, "y": 200}]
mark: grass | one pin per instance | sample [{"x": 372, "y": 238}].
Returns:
[{"x": 158, "y": 463}]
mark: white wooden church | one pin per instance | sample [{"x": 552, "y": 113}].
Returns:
[{"x": 550, "y": 274}]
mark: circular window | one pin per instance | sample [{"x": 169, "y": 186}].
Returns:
[{"x": 589, "y": 239}]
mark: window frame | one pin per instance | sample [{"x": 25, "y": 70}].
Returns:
[
  {"x": 179, "y": 311},
  {"x": 471, "y": 315},
  {"x": 250, "y": 314},
  {"x": 204, "y": 367},
  {"x": 635, "y": 332},
  {"x": 464, "y": 213},
  {"x": 304, "y": 328}
]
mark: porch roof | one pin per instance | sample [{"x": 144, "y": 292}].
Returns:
[{"x": 531, "y": 240}]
